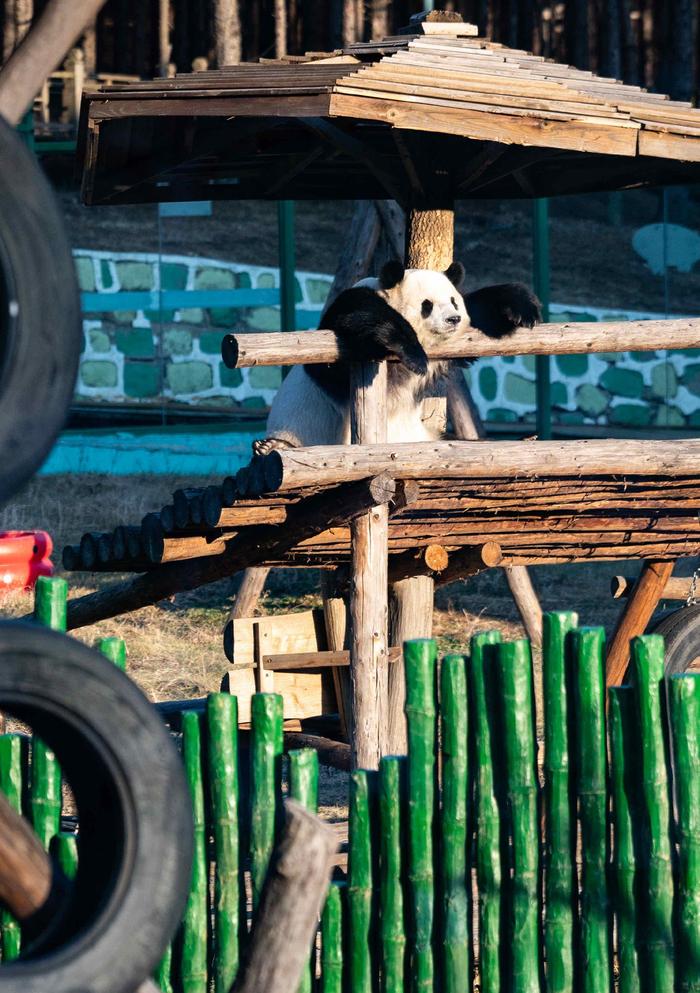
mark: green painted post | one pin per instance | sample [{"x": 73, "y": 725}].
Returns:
[
  {"x": 50, "y": 602},
  {"x": 266, "y": 784},
  {"x": 360, "y": 881},
  {"x": 540, "y": 251},
  {"x": 303, "y": 787},
  {"x": 560, "y": 818},
  {"x": 332, "y": 941},
  {"x": 487, "y": 819},
  {"x": 222, "y": 756},
  {"x": 455, "y": 883},
  {"x": 163, "y": 977},
  {"x": 50, "y": 599},
  {"x": 64, "y": 849},
  {"x": 420, "y": 658},
  {"x": 11, "y": 786},
  {"x": 594, "y": 964},
  {"x": 303, "y": 777},
  {"x": 392, "y": 800},
  {"x": 113, "y": 649},
  {"x": 657, "y": 899},
  {"x": 624, "y": 773},
  {"x": 193, "y": 962},
  {"x": 518, "y": 727},
  {"x": 684, "y": 711},
  {"x": 285, "y": 227}
]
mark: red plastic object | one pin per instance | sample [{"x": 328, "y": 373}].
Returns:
[{"x": 24, "y": 555}]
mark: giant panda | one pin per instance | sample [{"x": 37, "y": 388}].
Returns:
[{"x": 401, "y": 314}]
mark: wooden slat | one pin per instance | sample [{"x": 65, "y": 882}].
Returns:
[{"x": 293, "y": 662}]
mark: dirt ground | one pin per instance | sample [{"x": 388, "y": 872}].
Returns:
[
  {"x": 592, "y": 261},
  {"x": 175, "y": 648}
]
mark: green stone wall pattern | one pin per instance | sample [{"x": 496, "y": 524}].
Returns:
[{"x": 144, "y": 356}]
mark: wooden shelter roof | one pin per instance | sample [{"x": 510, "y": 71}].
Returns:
[{"x": 414, "y": 117}]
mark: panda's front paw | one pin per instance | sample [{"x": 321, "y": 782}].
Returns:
[
  {"x": 263, "y": 446},
  {"x": 499, "y": 310}
]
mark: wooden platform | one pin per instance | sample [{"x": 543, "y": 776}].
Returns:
[{"x": 519, "y": 507}]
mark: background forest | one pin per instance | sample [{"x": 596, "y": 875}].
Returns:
[{"x": 649, "y": 42}]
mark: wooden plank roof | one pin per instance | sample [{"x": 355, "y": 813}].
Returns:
[{"x": 411, "y": 117}]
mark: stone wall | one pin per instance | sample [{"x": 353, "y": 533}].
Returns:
[{"x": 150, "y": 355}]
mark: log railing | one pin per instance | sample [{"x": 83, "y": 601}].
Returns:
[{"x": 293, "y": 348}]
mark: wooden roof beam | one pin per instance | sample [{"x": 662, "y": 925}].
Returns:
[{"x": 356, "y": 149}]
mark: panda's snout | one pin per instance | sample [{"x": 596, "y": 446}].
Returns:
[{"x": 453, "y": 319}]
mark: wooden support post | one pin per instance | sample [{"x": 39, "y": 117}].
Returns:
[
  {"x": 368, "y": 600},
  {"x": 335, "y": 616},
  {"x": 635, "y": 616},
  {"x": 296, "y": 885}
]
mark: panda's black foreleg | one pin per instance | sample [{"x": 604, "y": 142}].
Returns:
[
  {"x": 498, "y": 310},
  {"x": 369, "y": 329}
]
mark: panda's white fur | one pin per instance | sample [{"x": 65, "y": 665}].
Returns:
[{"x": 304, "y": 414}]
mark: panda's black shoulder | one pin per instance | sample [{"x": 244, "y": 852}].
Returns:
[{"x": 357, "y": 312}]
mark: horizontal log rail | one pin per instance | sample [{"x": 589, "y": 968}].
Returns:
[
  {"x": 325, "y": 465},
  {"x": 295, "y": 348}
]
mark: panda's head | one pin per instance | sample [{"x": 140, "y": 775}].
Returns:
[{"x": 430, "y": 301}]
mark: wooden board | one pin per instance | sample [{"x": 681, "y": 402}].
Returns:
[{"x": 279, "y": 634}]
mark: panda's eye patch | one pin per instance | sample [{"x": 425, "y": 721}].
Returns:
[{"x": 426, "y": 308}]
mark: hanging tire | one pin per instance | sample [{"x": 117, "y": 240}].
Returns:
[
  {"x": 681, "y": 631},
  {"x": 135, "y": 838},
  {"x": 40, "y": 329}
]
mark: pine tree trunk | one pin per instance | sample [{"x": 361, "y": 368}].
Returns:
[
  {"x": 380, "y": 12},
  {"x": 577, "y": 35},
  {"x": 610, "y": 37},
  {"x": 9, "y": 31},
  {"x": 280, "y": 28},
  {"x": 349, "y": 22},
  {"x": 629, "y": 31},
  {"x": 227, "y": 32},
  {"x": 681, "y": 50},
  {"x": 24, "y": 14}
]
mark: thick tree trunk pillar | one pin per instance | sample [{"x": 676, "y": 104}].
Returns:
[
  {"x": 430, "y": 236},
  {"x": 368, "y": 602},
  {"x": 429, "y": 245}
]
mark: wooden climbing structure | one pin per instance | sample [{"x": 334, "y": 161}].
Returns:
[{"x": 424, "y": 118}]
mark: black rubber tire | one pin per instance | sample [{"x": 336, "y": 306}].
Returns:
[
  {"x": 40, "y": 327},
  {"x": 681, "y": 631},
  {"x": 135, "y": 839}
]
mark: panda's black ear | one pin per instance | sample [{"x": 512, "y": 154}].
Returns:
[
  {"x": 391, "y": 274},
  {"x": 455, "y": 273}
]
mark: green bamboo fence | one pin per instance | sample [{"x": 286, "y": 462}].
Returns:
[
  {"x": 560, "y": 896},
  {"x": 455, "y": 888},
  {"x": 392, "y": 803},
  {"x": 11, "y": 784},
  {"x": 684, "y": 709},
  {"x": 517, "y": 724},
  {"x": 594, "y": 932},
  {"x": 460, "y": 814},
  {"x": 656, "y": 848},
  {"x": 360, "y": 881},
  {"x": 303, "y": 787},
  {"x": 50, "y": 601},
  {"x": 421, "y": 718},
  {"x": 485, "y": 825}
]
